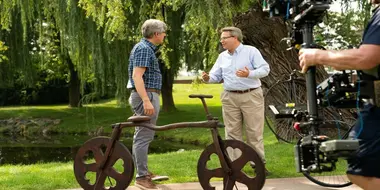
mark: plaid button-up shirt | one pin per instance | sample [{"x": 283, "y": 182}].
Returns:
[{"x": 143, "y": 55}]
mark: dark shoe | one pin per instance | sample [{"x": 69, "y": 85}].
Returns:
[
  {"x": 155, "y": 177},
  {"x": 145, "y": 183},
  {"x": 267, "y": 173}
]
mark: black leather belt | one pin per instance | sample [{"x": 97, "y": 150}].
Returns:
[
  {"x": 242, "y": 91},
  {"x": 149, "y": 90}
]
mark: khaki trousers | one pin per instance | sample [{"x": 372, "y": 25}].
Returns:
[{"x": 247, "y": 109}]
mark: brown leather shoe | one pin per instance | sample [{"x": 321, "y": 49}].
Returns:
[
  {"x": 267, "y": 173},
  {"x": 145, "y": 183},
  {"x": 155, "y": 177}
]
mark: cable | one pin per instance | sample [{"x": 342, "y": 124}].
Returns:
[
  {"x": 288, "y": 10},
  {"x": 336, "y": 121},
  {"x": 358, "y": 110}
]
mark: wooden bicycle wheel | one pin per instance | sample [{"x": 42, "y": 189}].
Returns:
[
  {"x": 119, "y": 168},
  {"x": 253, "y": 180}
]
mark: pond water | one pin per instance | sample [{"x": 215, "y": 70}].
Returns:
[{"x": 62, "y": 148}]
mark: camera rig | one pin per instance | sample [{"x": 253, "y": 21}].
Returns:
[
  {"x": 313, "y": 152},
  {"x": 296, "y": 10},
  {"x": 341, "y": 91}
]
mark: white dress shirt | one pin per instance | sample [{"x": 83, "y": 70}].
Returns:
[{"x": 227, "y": 64}]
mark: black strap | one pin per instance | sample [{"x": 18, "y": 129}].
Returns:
[{"x": 365, "y": 76}]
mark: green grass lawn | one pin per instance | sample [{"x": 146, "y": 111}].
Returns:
[{"x": 180, "y": 166}]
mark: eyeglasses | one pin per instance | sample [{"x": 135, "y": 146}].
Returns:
[
  {"x": 156, "y": 33},
  {"x": 224, "y": 38}
]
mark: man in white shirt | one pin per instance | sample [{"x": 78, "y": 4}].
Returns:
[{"x": 240, "y": 67}]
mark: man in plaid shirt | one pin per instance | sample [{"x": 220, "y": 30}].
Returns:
[{"x": 145, "y": 82}]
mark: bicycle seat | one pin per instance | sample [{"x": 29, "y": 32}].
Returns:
[
  {"x": 138, "y": 118},
  {"x": 200, "y": 96}
]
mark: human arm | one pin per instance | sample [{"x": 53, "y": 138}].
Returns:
[
  {"x": 366, "y": 57},
  {"x": 215, "y": 75},
  {"x": 260, "y": 66},
  {"x": 141, "y": 64}
]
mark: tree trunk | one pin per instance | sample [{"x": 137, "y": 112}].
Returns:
[
  {"x": 175, "y": 19},
  {"x": 167, "y": 89},
  {"x": 74, "y": 84}
]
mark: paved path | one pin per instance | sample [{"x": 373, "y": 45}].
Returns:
[{"x": 300, "y": 183}]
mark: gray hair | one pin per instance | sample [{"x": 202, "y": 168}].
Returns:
[
  {"x": 152, "y": 26},
  {"x": 234, "y": 31}
]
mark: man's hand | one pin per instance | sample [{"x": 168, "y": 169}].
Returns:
[
  {"x": 148, "y": 107},
  {"x": 308, "y": 57},
  {"x": 243, "y": 72},
  {"x": 205, "y": 77}
]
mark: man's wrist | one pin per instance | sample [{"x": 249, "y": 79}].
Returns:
[
  {"x": 251, "y": 74},
  {"x": 321, "y": 54},
  {"x": 146, "y": 99}
]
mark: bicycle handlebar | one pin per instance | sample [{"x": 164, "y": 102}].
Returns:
[{"x": 202, "y": 97}]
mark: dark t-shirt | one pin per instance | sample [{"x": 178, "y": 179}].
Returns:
[
  {"x": 367, "y": 128},
  {"x": 372, "y": 36},
  {"x": 372, "y": 32}
]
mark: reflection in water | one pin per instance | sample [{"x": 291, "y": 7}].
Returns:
[
  {"x": 31, "y": 155},
  {"x": 64, "y": 148}
]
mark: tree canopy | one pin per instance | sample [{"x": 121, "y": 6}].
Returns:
[{"x": 88, "y": 42}]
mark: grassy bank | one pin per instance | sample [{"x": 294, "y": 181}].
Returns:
[{"x": 92, "y": 117}]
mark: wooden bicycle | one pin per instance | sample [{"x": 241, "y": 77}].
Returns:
[{"x": 108, "y": 150}]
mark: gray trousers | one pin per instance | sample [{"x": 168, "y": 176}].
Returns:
[{"x": 143, "y": 136}]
